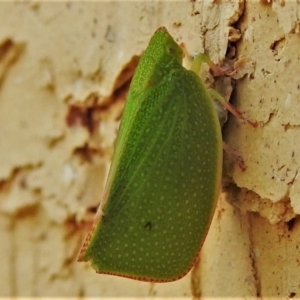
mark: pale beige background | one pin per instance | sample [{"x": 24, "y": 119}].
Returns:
[{"x": 64, "y": 70}]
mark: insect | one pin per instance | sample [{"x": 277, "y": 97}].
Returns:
[{"x": 165, "y": 175}]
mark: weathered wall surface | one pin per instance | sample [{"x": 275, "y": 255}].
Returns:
[{"x": 64, "y": 71}]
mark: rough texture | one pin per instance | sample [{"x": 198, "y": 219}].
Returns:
[
  {"x": 269, "y": 93},
  {"x": 64, "y": 71},
  {"x": 270, "y": 149}
]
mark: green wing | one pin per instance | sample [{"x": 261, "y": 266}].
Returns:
[
  {"x": 165, "y": 183},
  {"x": 159, "y": 59}
]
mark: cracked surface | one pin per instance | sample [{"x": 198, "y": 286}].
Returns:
[
  {"x": 63, "y": 75},
  {"x": 269, "y": 95}
]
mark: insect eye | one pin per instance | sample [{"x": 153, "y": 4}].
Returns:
[{"x": 171, "y": 49}]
